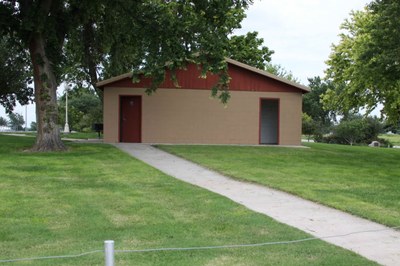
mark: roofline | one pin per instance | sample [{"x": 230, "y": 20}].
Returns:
[
  {"x": 105, "y": 82},
  {"x": 113, "y": 79},
  {"x": 267, "y": 74}
]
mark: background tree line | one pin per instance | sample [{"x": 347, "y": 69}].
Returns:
[
  {"x": 46, "y": 42},
  {"x": 85, "y": 106},
  {"x": 360, "y": 62},
  {"x": 84, "y": 41},
  {"x": 15, "y": 122},
  {"x": 84, "y": 109},
  {"x": 363, "y": 73}
]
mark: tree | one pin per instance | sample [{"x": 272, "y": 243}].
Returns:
[
  {"x": 16, "y": 121},
  {"x": 355, "y": 128},
  {"x": 373, "y": 127},
  {"x": 365, "y": 63},
  {"x": 33, "y": 126},
  {"x": 351, "y": 131},
  {"x": 249, "y": 49},
  {"x": 3, "y": 122},
  {"x": 15, "y": 74},
  {"x": 312, "y": 102},
  {"x": 309, "y": 126},
  {"x": 389, "y": 127},
  {"x": 280, "y": 71},
  {"x": 87, "y": 40},
  {"x": 84, "y": 109}
]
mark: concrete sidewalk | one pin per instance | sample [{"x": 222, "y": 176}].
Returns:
[{"x": 371, "y": 240}]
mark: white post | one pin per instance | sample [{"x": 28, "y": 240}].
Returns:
[
  {"x": 66, "y": 127},
  {"x": 109, "y": 252}
]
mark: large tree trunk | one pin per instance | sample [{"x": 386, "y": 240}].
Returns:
[{"x": 48, "y": 132}]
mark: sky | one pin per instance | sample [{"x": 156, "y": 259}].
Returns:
[{"x": 300, "y": 32}]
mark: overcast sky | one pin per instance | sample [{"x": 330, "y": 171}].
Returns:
[{"x": 299, "y": 31}]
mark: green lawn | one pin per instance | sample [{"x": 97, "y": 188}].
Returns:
[
  {"x": 82, "y": 135},
  {"x": 75, "y": 135},
  {"x": 68, "y": 203},
  {"x": 394, "y": 138},
  {"x": 360, "y": 180}
]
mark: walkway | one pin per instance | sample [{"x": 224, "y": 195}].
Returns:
[{"x": 371, "y": 240}]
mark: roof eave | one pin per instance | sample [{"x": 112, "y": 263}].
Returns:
[
  {"x": 267, "y": 74},
  {"x": 113, "y": 79},
  {"x": 305, "y": 89}
]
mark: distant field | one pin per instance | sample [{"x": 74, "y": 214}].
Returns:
[
  {"x": 394, "y": 139},
  {"x": 70, "y": 202},
  {"x": 363, "y": 181}
]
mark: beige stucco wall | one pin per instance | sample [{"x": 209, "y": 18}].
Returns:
[{"x": 191, "y": 116}]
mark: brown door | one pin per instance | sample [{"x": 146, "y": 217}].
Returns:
[{"x": 130, "y": 119}]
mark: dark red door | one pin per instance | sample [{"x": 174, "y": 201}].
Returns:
[{"x": 130, "y": 119}]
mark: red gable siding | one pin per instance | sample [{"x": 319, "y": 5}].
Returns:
[
  {"x": 241, "y": 80},
  {"x": 246, "y": 80}
]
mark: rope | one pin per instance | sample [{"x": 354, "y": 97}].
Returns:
[
  {"x": 252, "y": 245},
  {"x": 200, "y": 248},
  {"x": 53, "y": 257}
]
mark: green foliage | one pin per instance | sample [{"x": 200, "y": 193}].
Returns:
[
  {"x": 312, "y": 102},
  {"x": 280, "y": 71},
  {"x": 3, "y": 122},
  {"x": 84, "y": 41},
  {"x": 15, "y": 74},
  {"x": 84, "y": 109},
  {"x": 146, "y": 36},
  {"x": 365, "y": 65},
  {"x": 350, "y": 131},
  {"x": 355, "y": 129},
  {"x": 16, "y": 121},
  {"x": 390, "y": 127},
  {"x": 309, "y": 126},
  {"x": 33, "y": 126},
  {"x": 374, "y": 127},
  {"x": 249, "y": 50}
]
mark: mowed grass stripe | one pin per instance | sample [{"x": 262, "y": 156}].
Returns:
[
  {"x": 70, "y": 202},
  {"x": 360, "y": 180}
]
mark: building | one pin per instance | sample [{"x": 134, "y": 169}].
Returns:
[{"x": 263, "y": 109}]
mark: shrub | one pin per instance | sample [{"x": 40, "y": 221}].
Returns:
[
  {"x": 385, "y": 143},
  {"x": 351, "y": 131},
  {"x": 355, "y": 129},
  {"x": 373, "y": 127},
  {"x": 309, "y": 126}
]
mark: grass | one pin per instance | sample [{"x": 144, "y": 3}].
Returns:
[
  {"x": 68, "y": 203},
  {"x": 394, "y": 138},
  {"x": 81, "y": 135},
  {"x": 360, "y": 180},
  {"x": 74, "y": 135}
]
